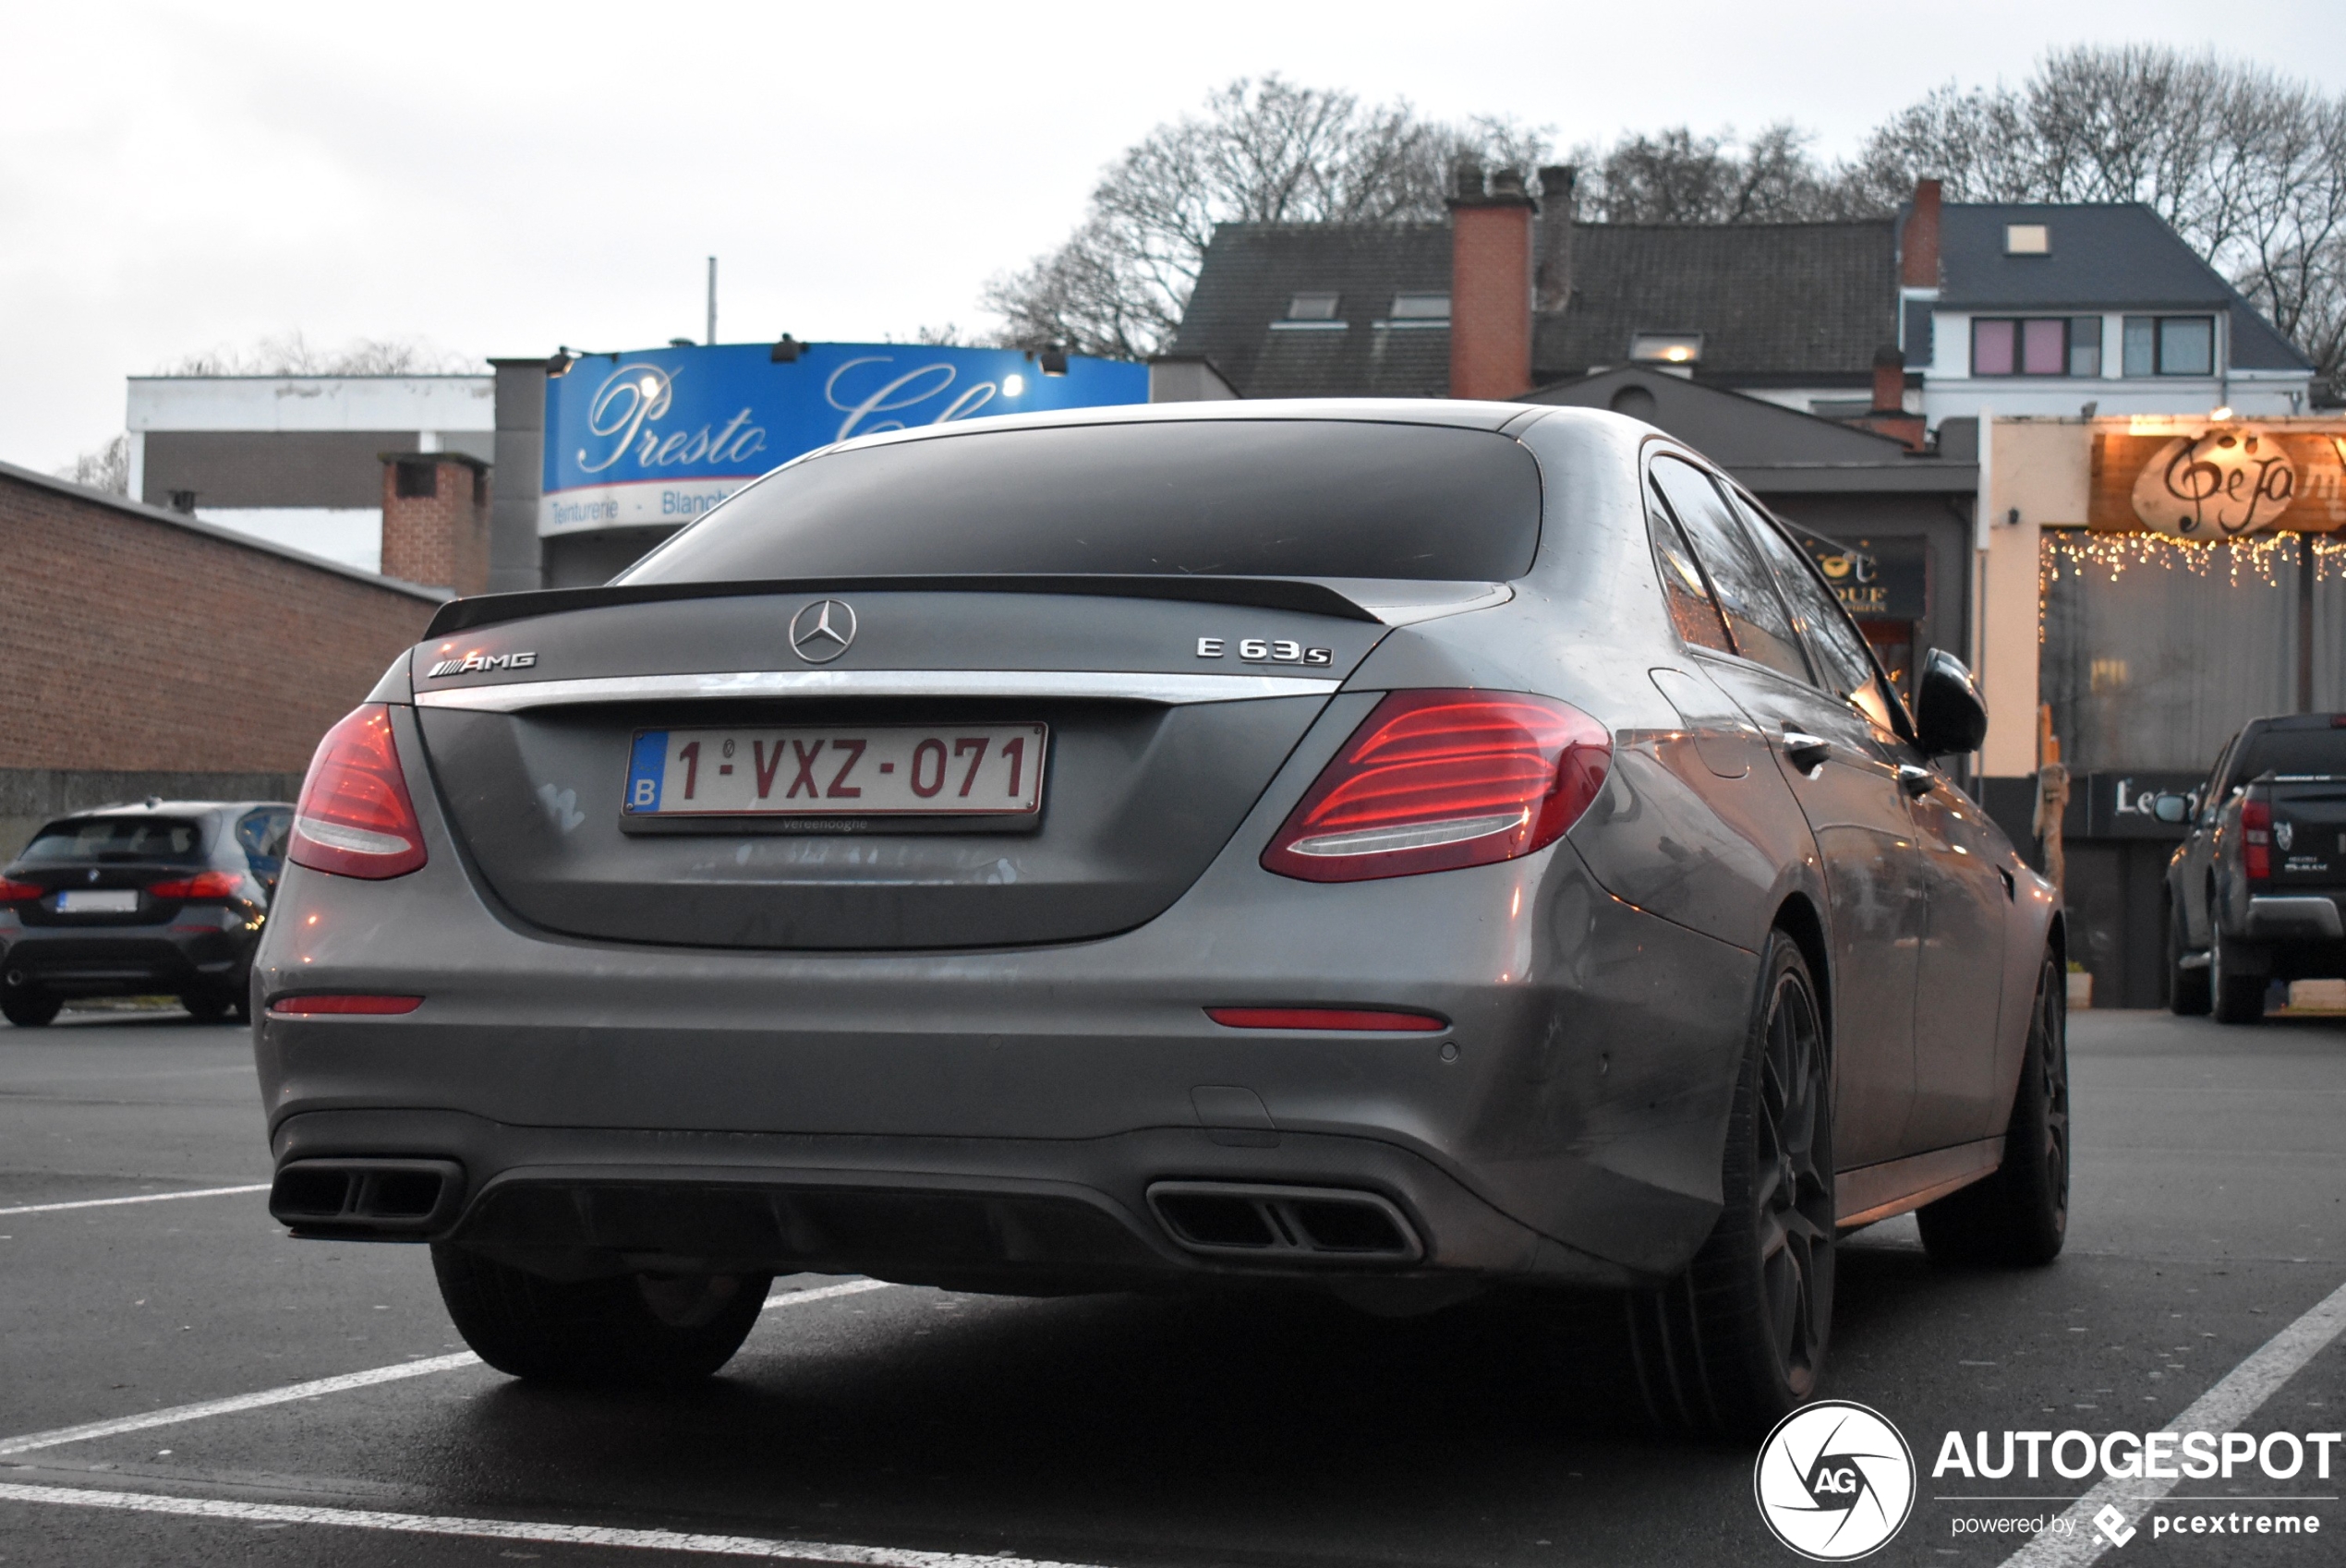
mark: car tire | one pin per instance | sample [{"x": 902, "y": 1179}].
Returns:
[
  {"x": 207, "y": 1007},
  {"x": 2188, "y": 993},
  {"x": 2019, "y": 1217},
  {"x": 1739, "y": 1340},
  {"x": 28, "y": 1009},
  {"x": 2237, "y": 998},
  {"x": 623, "y": 1330}
]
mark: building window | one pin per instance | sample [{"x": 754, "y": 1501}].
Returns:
[
  {"x": 2085, "y": 346},
  {"x": 415, "y": 481},
  {"x": 2170, "y": 345},
  {"x": 2027, "y": 239},
  {"x": 1421, "y": 307},
  {"x": 1665, "y": 348},
  {"x": 2036, "y": 345},
  {"x": 1311, "y": 307}
]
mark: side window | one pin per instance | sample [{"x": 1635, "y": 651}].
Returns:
[
  {"x": 263, "y": 835},
  {"x": 1692, "y": 610},
  {"x": 1755, "y": 614},
  {"x": 1845, "y": 665}
]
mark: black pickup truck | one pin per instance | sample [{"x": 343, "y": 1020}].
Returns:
[{"x": 2258, "y": 888}]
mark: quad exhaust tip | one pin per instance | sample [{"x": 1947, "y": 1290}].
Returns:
[
  {"x": 367, "y": 1197},
  {"x": 1287, "y": 1225}
]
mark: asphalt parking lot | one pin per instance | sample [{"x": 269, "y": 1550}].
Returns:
[{"x": 894, "y": 1425}]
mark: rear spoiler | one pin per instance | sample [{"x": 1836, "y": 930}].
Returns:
[{"x": 1266, "y": 593}]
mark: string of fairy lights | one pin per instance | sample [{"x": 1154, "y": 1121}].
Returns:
[{"x": 2263, "y": 559}]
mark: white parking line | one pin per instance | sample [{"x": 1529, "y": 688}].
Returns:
[
  {"x": 2220, "y": 1410},
  {"x": 515, "y": 1530},
  {"x": 143, "y": 1198},
  {"x": 178, "y": 1414}
]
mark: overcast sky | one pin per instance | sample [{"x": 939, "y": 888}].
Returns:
[{"x": 501, "y": 178}]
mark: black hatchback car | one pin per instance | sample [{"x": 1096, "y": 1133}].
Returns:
[{"x": 168, "y": 897}]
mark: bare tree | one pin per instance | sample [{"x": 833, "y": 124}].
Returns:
[
  {"x": 2247, "y": 164},
  {"x": 103, "y": 468},
  {"x": 1678, "y": 176},
  {"x": 1264, "y": 152},
  {"x": 292, "y": 354}
]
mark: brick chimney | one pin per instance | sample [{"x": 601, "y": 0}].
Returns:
[
  {"x": 1490, "y": 285},
  {"x": 436, "y": 520},
  {"x": 1918, "y": 247},
  {"x": 1558, "y": 207},
  {"x": 1888, "y": 413}
]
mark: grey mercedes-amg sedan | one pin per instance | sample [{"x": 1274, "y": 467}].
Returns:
[{"x": 1402, "y": 847}]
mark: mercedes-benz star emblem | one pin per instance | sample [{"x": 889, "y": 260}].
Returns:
[{"x": 821, "y": 632}]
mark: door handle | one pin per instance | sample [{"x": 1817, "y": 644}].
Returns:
[
  {"x": 1807, "y": 752},
  {"x": 1915, "y": 781}
]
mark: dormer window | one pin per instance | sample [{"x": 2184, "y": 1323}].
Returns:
[
  {"x": 2027, "y": 239},
  {"x": 1311, "y": 307},
  {"x": 1665, "y": 348},
  {"x": 1421, "y": 307}
]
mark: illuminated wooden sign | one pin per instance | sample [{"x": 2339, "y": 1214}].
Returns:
[{"x": 2203, "y": 481}]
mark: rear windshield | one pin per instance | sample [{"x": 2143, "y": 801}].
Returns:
[
  {"x": 117, "y": 839},
  {"x": 2295, "y": 751},
  {"x": 1227, "y": 498}
]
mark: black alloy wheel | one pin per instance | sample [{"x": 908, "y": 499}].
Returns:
[
  {"x": 2188, "y": 994},
  {"x": 28, "y": 1009},
  {"x": 2019, "y": 1217},
  {"x": 2237, "y": 998},
  {"x": 1737, "y": 1340}
]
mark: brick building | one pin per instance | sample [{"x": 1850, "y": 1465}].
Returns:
[{"x": 145, "y": 652}]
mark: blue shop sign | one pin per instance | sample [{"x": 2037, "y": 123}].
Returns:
[{"x": 660, "y": 436}]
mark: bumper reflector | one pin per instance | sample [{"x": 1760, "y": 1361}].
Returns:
[
  {"x": 1354, "y": 1019},
  {"x": 345, "y": 1004}
]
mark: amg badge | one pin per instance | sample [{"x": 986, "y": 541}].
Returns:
[{"x": 474, "y": 662}]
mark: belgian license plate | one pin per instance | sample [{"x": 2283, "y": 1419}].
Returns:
[
  {"x": 867, "y": 770},
  {"x": 99, "y": 900}
]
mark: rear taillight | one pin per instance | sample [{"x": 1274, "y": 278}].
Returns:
[
  {"x": 2257, "y": 833},
  {"x": 21, "y": 892},
  {"x": 1436, "y": 779},
  {"x": 204, "y": 884},
  {"x": 355, "y": 818}
]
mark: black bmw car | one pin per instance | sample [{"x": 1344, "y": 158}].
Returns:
[{"x": 164, "y": 897}]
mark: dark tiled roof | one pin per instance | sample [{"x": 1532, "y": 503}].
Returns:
[
  {"x": 1788, "y": 302},
  {"x": 2102, "y": 256},
  {"x": 1252, "y": 270},
  {"x": 1774, "y": 301}
]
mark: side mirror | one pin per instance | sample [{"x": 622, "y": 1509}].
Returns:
[
  {"x": 2171, "y": 808},
  {"x": 1948, "y": 715}
]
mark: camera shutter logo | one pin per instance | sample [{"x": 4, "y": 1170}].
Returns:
[{"x": 1834, "y": 1481}]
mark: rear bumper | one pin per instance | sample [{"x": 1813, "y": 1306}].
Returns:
[
  {"x": 126, "y": 961},
  {"x": 2311, "y": 916},
  {"x": 1015, "y": 1216}
]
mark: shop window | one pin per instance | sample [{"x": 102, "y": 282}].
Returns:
[{"x": 2169, "y": 345}]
